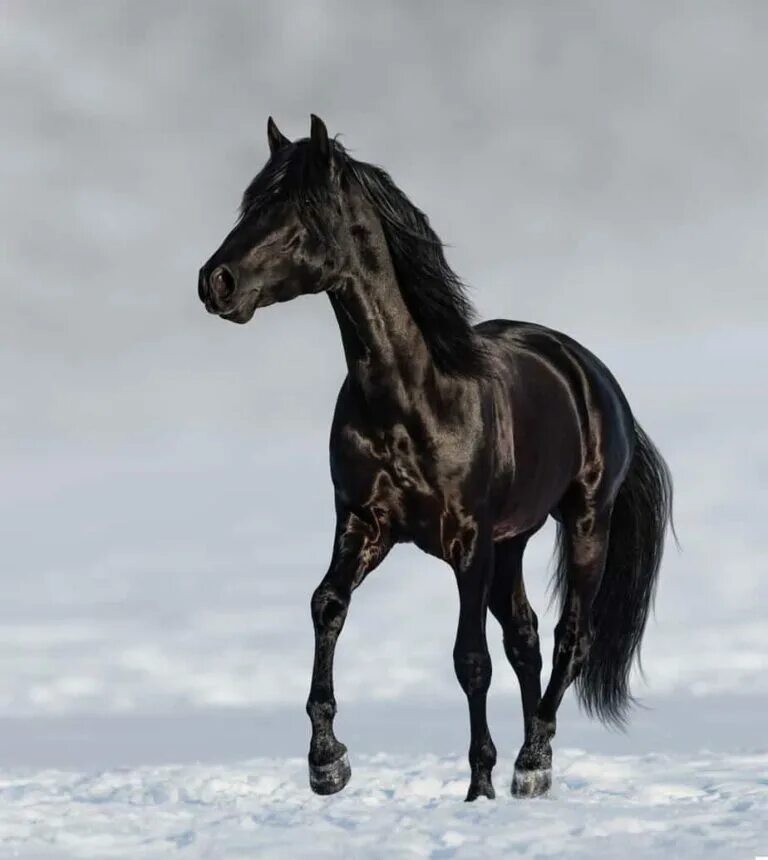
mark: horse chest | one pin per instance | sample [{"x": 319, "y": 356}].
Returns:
[
  {"x": 427, "y": 506},
  {"x": 404, "y": 484},
  {"x": 415, "y": 488},
  {"x": 389, "y": 464}
]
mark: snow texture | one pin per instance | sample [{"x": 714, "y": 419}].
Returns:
[{"x": 706, "y": 806}]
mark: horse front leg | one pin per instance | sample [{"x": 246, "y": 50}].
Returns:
[
  {"x": 471, "y": 659},
  {"x": 360, "y": 543}
]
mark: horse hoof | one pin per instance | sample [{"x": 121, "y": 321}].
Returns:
[
  {"x": 531, "y": 783},
  {"x": 481, "y": 789},
  {"x": 330, "y": 778}
]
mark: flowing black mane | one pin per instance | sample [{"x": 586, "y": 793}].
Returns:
[{"x": 434, "y": 294}]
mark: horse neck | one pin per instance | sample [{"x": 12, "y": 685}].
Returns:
[{"x": 384, "y": 348}]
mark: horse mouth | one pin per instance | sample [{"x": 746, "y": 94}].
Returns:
[
  {"x": 239, "y": 315},
  {"x": 247, "y": 306}
]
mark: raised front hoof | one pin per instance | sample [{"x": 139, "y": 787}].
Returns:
[
  {"x": 531, "y": 783},
  {"x": 480, "y": 788},
  {"x": 330, "y": 778}
]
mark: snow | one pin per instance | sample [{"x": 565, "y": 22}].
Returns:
[{"x": 709, "y": 805}]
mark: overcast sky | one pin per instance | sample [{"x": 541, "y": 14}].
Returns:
[{"x": 600, "y": 167}]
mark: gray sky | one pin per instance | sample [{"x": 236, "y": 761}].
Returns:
[{"x": 601, "y": 167}]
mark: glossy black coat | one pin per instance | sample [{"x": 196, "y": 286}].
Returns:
[{"x": 460, "y": 439}]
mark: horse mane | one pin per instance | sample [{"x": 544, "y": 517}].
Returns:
[{"x": 433, "y": 293}]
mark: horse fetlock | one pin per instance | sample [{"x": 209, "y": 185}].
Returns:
[
  {"x": 321, "y": 711},
  {"x": 542, "y": 729},
  {"x": 536, "y": 752},
  {"x": 482, "y": 756},
  {"x": 324, "y": 749}
]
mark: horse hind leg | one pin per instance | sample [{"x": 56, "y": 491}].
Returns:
[
  {"x": 587, "y": 544},
  {"x": 519, "y": 624}
]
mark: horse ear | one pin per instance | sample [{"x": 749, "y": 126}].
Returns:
[
  {"x": 277, "y": 140},
  {"x": 319, "y": 137}
]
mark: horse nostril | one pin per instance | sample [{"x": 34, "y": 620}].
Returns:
[{"x": 222, "y": 282}]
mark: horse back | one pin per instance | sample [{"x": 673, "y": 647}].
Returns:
[{"x": 561, "y": 420}]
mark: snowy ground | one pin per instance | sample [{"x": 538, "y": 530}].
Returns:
[{"x": 633, "y": 806}]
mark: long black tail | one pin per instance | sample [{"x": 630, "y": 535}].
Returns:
[{"x": 641, "y": 513}]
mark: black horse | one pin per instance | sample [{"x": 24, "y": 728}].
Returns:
[{"x": 461, "y": 439}]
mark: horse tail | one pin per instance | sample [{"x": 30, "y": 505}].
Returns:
[{"x": 642, "y": 511}]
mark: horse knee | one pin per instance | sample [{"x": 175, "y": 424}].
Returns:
[
  {"x": 473, "y": 671},
  {"x": 483, "y": 753},
  {"x": 329, "y": 608}
]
